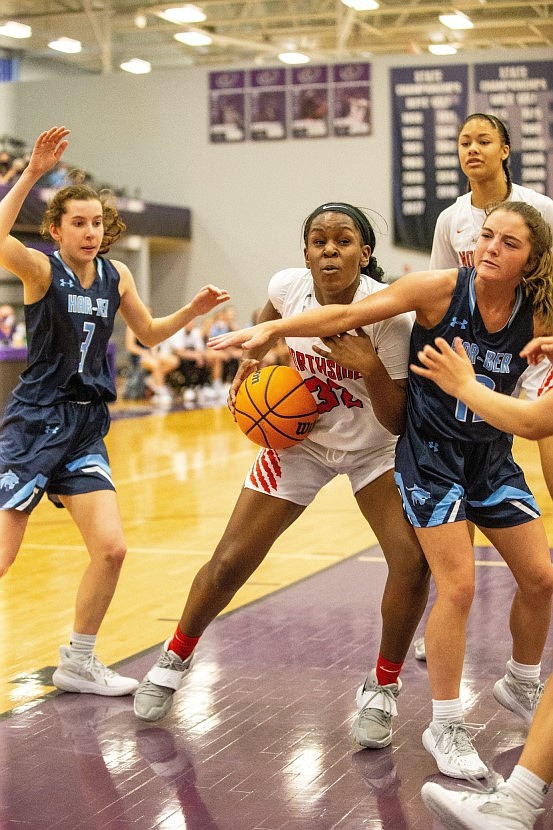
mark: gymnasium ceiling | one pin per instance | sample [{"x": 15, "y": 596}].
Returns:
[{"x": 245, "y": 31}]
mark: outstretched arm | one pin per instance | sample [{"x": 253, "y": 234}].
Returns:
[
  {"x": 414, "y": 292},
  {"x": 453, "y": 372},
  {"x": 153, "y": 330}
]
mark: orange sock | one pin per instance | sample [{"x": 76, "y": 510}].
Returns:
[
  {"x": 182, "y": 645},
  {"x": 386, "y": 671}
]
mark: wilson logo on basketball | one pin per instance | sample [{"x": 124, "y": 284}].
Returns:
[{"x": 274, "y": 408}]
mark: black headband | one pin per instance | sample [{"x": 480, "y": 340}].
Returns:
[{"x": 361, "y": 221}]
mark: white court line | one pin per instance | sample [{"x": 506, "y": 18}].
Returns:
[
  {"x": 483, "y": 563},
  {"x": 330, "y": 557}
]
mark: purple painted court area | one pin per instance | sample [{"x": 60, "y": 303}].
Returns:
[{"x": 259, "y": 737}]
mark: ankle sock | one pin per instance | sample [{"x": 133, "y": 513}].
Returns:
[
  {"x": 446, "y": 711},
  {"x": 522, "y": 671},
  {"x": 81, "y": 645},
  {"x": 182, "y": 645},
  {"x": 530, "y": 789},
  {"x": 386, "y": 671}
]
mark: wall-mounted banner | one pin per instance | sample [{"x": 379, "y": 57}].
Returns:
[
  {"x": 521, "y": 95},
  {"x": 267, "y": 104},
  {"x": 352, "y": 99},
  {"x": 227, "y": 107},
  {"x": 428, "y": 104},
  {"x": 272, "y": 104}
]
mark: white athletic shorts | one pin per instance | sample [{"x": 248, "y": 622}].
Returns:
[
  {"x": 299, "y": 472},
  {"x": 535, "y": 381}
]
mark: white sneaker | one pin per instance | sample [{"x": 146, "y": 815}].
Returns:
[
  {"x": 372, "y": 726},
  {"x": 88, "y": 675},
  {"x": 451, "y": 745},
  {"x": 154, "y": 696},
  {"x": 519, "y": 696},
  {"x": 419, "y": 647},
  {"x": 498, "y": 809}
]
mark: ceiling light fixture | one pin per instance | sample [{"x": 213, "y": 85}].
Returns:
[
  {"x": 66, "y": 44},
  {"x": 442, "y": 49},
  {"x": 193, "y": 38},
  {"x": 293, "y": 58},
  {"x": 14, "y": 29},
  {"x": 137, "y": 66},
  {"x": 457, "y": 20},
  {"x": 362, "y": 5},
  {"x": 183, "y": 14}
]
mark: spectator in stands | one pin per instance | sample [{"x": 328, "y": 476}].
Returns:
[
  {"x": 225, "y": 364},
  {"x": 191, "y": 360},
  {"x": 147, "y": 368},
  {"x": 7, "y": 325}
]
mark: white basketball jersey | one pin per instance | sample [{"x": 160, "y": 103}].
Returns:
[{"x": 346, "y": 418}]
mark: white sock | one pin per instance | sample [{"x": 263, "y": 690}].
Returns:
[
  {"x": 528, "y": 787},
  {"x": 522, "y": 671},
  {"x": 446, "y": 711},
  {"x": 81, "y": 645}
]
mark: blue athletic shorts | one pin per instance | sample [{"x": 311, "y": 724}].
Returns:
[
  {"x": 58, "y": 450},
  {"x": 443, "y": 481}
]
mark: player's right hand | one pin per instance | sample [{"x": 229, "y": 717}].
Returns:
[{"x": 246, "y": 368}]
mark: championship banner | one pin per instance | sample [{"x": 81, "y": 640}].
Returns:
[
  {"x": 428, "y": 104},
  {"x": 521, "y": 95}
]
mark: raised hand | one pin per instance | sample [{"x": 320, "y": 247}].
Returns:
[{"x": 49, "y": 148}]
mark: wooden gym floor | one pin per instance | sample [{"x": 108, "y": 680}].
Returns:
[{"x": 259, "y": 737}]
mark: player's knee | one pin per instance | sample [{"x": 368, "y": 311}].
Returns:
[
  {"x": 114, "y": 554},
  {"x": 409, "y": 568},
  {"x": 539, "y": 587},
  {"x": 459, "y": 595},
  {"x": 227, "y": 574}
]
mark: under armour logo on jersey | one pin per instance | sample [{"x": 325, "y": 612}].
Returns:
[
  {"x": 8, "y": 480},
  {"x": 66, "y": 283},
  {"x": 434, "y": 446},
  {"x": 420, "y": 495},
  {"x": 461, "y": 323},
  {"x": 52, "y": 429}
]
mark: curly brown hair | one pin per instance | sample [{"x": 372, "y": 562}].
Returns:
[{"x": 113, "y": 224}]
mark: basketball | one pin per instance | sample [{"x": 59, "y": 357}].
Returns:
[{"x": 274, "y": 407}]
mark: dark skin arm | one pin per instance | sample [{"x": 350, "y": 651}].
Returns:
[{"x": 388, "y": 397}]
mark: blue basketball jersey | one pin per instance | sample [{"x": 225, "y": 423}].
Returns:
[
  {"x": 68, "y": 331},
  {"x": 494, "y": 356}
]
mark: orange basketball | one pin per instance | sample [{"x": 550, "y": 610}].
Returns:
[{"x": 274, "y": 407}]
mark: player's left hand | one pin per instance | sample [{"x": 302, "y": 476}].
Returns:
[
  {"x": 351, "y": 351},
  {"x": 208, "y": 298}
]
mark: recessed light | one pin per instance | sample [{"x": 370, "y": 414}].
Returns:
[
  {"x": 183, "y": 14},
  {"x": 14, "y": 29},
  {"x": 457, "y": 20},
  {"x": 193, "y": 38},
  {"x": 66, "y": 44},
  {"x": 137, "y": 66},
  {"x": 362, "y": 5},
  {"x": 293, "y": 58},
  {"x": 442, "y": 49}
]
